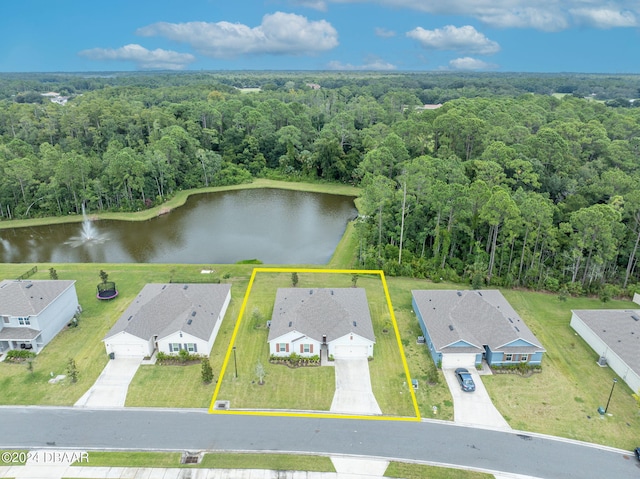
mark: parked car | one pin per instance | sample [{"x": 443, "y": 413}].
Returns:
[
  {"x": 465, "y": 380},
  {"x": 637, "y": 452}
]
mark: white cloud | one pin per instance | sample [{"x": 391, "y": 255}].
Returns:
[
  {"x": 372, "y": 64},
  {"x": 464, "y": 39},
  {"x": 605, "y": 18},
  {"x": 144, "y": 59},
  {"x": 384, "y": 33},
  {"x": 279, "y": 33},
  {"x": 320, "y": 5},
  {"x": 546, "y": 15},
  {"x": 468, "y": 63}
]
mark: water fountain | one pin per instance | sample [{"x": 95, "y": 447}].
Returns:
[{"x": 88, "y": 234}]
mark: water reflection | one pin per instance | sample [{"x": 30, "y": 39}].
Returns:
[{"x": 275, "y": 226}]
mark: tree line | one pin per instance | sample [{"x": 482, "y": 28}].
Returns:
[{"x": 505, "y": 188}]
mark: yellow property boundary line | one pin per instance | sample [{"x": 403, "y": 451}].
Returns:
[{"x": 227, "y": 357}]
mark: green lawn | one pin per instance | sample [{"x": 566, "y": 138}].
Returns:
[
  {"x": 274, "y": 462},
  {"x": 420, "y": 471}
]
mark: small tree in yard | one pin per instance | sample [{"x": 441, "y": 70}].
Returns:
[
  {"x": 72, "y": 370},
  {"x": 260, "y": 372},
  {"x": 104, "y": 276},
  {"x": 207, "y": 371},
  {"x": 294, "y": 279},
  {"x": 53, "y": 274},
  {"x": 354, "y": 279}
]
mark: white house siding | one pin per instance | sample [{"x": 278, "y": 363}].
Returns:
[
  {"x": 55, "y": 316},
  {"x": 458, "y": 360},
  {"x": 351, "y": 346},
  {"x": 613, "y": 360},
  {"x": 184, "y": 340},
  {"x": 127, "y": 345},
  {"x": 293, "y": 339}
]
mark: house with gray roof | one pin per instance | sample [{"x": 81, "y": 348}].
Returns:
[
  {"x": 321, "y": 321},
  {"x": 170, "y": 318},
  {"x": 461, "y": 328},
  {"x": 32, "y": 312},
  {"x": 614, "y": 335}
]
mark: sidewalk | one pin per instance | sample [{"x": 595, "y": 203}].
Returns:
[{"x": 56, "y": 465}]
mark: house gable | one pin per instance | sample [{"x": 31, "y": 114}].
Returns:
[{"x": 313, "y": 317}]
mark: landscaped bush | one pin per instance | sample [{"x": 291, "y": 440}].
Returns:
[
  {"x": 295, "y": 360},
  {"x": 183, "y": 357},
  {"x": 18, "y": 355},
  {"x": 524, "y": 369}
]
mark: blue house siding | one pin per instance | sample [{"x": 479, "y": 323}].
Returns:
[
  {"x": 498, "y": 358},
  {"x": 436, "y": 356}
]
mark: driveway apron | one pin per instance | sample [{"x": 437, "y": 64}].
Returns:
[
  {"x": 473, "y": 407},
  {"x": 353, "y": 388},
  {"x": 110, "y": 389}
]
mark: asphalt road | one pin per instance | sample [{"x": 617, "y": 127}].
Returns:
[{"x": 192, "y": 430}]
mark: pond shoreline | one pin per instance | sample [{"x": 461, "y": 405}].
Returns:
[{"x": 181, "y": 198}]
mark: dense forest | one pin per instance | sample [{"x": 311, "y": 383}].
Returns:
[{"x": 514, "y": 180}]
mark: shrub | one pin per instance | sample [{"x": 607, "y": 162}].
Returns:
[
  {"x": 19, "y": 354},
  {"x": 206, "y": 372}
]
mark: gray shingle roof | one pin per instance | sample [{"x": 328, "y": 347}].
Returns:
[
  {"x": 18, "y": 334},
  {"x": 618, "y": 330},
  {"x": 31, "y": 297},
  {"x": 476, "y": 317},
  {"x": 162, "y": 309},
  {"x": 321, "y": 312}
]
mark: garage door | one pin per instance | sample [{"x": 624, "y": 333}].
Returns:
[
  {"x": 350, "y": 352},
  {"x": 460, "y": 360},
  {"x": 129, "y": 350}
]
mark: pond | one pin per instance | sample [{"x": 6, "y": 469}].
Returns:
[{"x": 274, "y": 226}]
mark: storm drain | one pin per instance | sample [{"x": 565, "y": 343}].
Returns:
[{"x": 191, "y": 458}]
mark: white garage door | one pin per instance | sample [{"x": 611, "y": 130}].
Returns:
[
  {"x": 460, "y": 360},
  {"x": 350, "y": 351},
  {"x": 129, "y": 350}
]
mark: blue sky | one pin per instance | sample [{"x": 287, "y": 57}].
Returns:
[{"x": 384, "y": 35}]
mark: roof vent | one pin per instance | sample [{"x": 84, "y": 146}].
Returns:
[
  {"x": 480, "y": 293},
  {"x": 450, "y": 327},
  {"x": 290, "y": 323},
  {"x": 635, "y": 318},
  {"x": 459, "y": 293},
  {"x": 129, "y": 318},
  {"x": 331, "y": 292},
  {"x": 29, "y": 285},
  {"x": 190, "y": 321},
  {"x": 310, "y": 291},
  {"x": 511, "y": 320},
  {"x": 516, "y": 328},
  {"x": 193, "y": 313},
  {"x": 355, "y": 324},
  {"x": 185, "y": 286}
]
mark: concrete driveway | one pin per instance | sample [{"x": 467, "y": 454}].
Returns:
[
  {"x": 473, "y": 407},
  {"x": 110, "y": 389},
  {"x": 353, "y": 388}
]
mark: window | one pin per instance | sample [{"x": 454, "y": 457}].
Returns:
[
  {"x": 174, "y": 347},
  {"x": 508, "y": 357},
  {"x": 192, "y": 347},
  {"x": 24, "y": 321},
  {"x": 282, "y": 347},
  {"x": 306, "y": 348},
  {"x": 524, "y": 358},
  {"x": 6, "y": 320}
]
